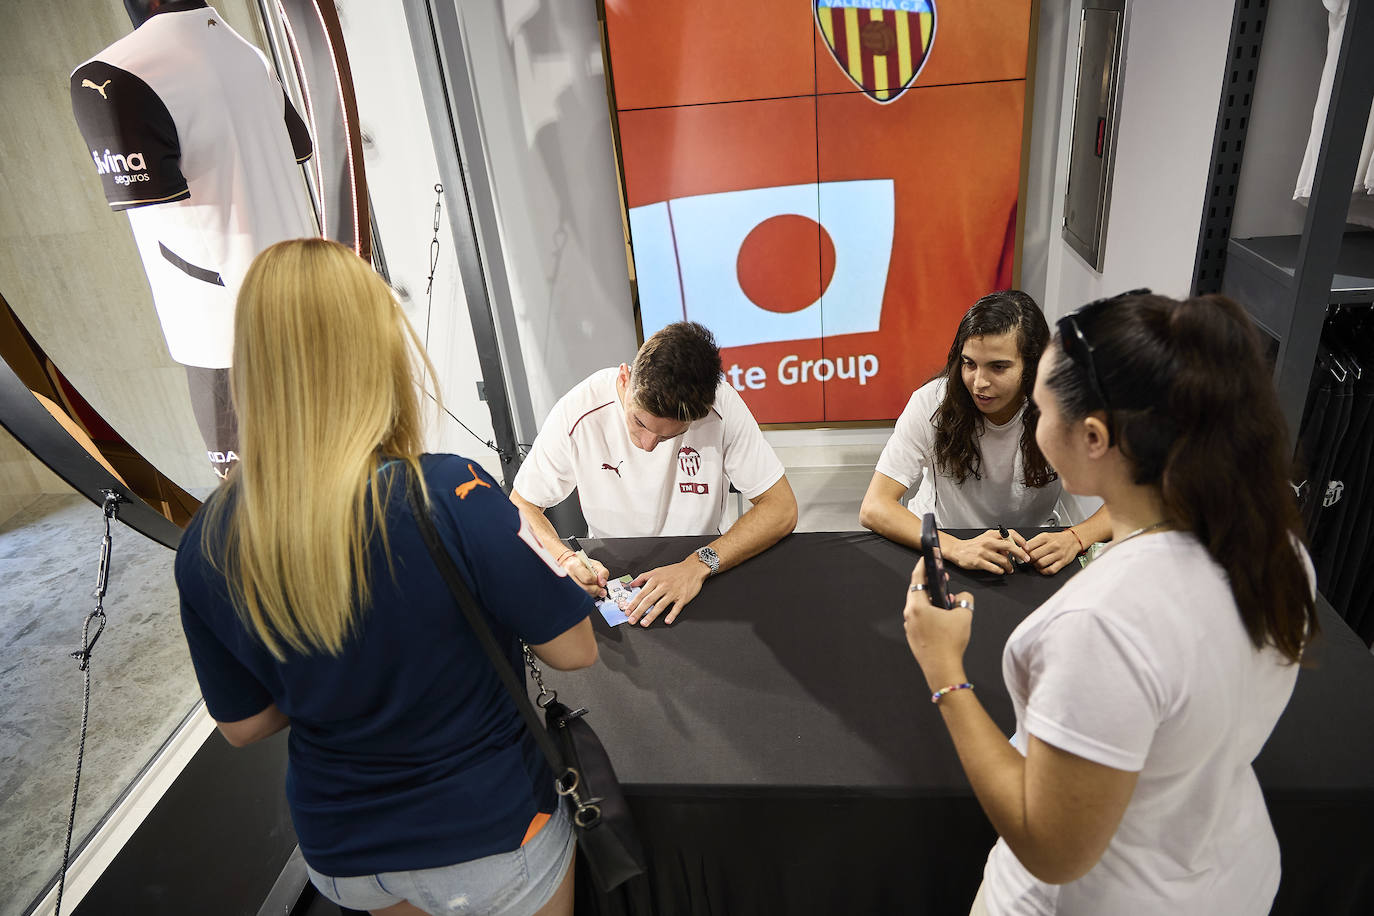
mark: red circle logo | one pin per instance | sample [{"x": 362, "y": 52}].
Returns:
[{"x": 777, "y": 265}]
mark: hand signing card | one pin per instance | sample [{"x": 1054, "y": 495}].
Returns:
[{"x": 617, "y": 602}]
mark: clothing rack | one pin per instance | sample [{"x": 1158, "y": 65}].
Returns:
[{"x": 1309, "y": 291}]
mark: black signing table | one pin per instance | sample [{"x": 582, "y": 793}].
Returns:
[{"x": 781, "y": 754}]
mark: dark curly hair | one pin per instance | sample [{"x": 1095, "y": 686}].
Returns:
[
  {"x": 676, "y": 372},
  {"x": 958, "y": 422},
  {"x": 1192, "y": 406}
]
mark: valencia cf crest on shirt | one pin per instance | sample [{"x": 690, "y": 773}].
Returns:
[
  {"x": 689, "y": 459},
  {"x": 880, "y": 44}
]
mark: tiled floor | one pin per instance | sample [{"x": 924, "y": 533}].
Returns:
[{"x": 142, "y": 682}]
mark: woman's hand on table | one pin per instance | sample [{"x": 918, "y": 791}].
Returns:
[
  {"x": 1051, "y": 551},
  {"x": 936, "y": 636},
  {"x": 988, "y": 551}
]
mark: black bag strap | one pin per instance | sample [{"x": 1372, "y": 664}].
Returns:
[{"x": 514, "y": 686}]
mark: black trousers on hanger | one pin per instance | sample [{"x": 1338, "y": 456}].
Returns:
[
  {"x": 1344, "y": 491},
  {"x": 1324, "y": 423},
  {"x": 1350, "y": 523}
]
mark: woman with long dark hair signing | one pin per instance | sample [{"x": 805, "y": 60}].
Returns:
[
  {"x": 309, "y": 599},
  {"x": 1146, "y": 686},
  {"x": 968, "y": 440}
]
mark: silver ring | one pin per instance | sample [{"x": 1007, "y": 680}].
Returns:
[
  {"x": 964, "y": 602},
  {"x": 918, "y": 587}
]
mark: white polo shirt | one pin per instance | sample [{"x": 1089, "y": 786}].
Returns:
[
  {"x": 998, "y": 496},
  {"x": 679, "y": 488},
  {"x": 184, "y": 114}
]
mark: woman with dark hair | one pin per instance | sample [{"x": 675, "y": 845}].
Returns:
[
  {"x": 1146, "y": 686},
  {"x": 968, "y": 440}
]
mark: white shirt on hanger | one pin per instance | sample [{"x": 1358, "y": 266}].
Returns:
[{"x": 1361, "y": 204}]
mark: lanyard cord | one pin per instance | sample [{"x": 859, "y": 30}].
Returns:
[{"x": 110, "y": 510}]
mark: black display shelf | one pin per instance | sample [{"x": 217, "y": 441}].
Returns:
[{"x": 1276, "y": 256}]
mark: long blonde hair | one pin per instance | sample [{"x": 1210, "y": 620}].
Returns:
[{"x": 324, "y": 383}]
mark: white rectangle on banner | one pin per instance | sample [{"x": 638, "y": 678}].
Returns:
[{"x": 687, "y": 260}]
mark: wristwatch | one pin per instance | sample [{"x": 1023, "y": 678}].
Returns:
[{"x": 708, "y": 556}]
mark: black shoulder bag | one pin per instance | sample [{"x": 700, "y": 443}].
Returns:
[{"x": 606, "y": 834}]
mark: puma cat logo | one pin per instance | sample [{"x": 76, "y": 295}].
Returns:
[
  {"x": 87, "y": 84},
  {"x": 616, "y": 468},
  {"x": 463, "y": 489}
]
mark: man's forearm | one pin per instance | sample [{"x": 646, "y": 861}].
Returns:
[{"x": 771, "y": 518}]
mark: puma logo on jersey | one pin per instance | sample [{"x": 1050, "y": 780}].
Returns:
[
  {"x": 463, "y": 489},
  {"x": 616, "y": 468},
  {"x": 87, "y": 84}
]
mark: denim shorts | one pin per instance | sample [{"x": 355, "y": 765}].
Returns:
[{"x": 515, "y": 883}]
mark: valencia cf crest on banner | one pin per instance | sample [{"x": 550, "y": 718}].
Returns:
[{"x": 880, "y": 44}]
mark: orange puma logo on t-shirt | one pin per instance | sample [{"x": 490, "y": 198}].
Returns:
[{"x": 463, "y": 489}]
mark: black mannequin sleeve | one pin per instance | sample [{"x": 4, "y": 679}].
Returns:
[
  {"x": 300, "y": 134},
  {"x": 130, "y": 135}
]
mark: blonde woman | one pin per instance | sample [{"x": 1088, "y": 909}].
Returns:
[{"x": 309, "y": 600}]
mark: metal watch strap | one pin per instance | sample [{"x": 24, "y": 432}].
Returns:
[{"x": 710, "y": 558}]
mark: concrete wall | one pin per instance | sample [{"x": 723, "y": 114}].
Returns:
[{"x": 22, "y": 477}]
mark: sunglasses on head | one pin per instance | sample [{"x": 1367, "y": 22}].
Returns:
[{"x": 1080, "y": 350}]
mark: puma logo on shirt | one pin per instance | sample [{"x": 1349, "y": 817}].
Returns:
[
  {"x": 616, "y": 468},
  {"x": 88, "y": 84},
  {"x": 463, "y": 489}
]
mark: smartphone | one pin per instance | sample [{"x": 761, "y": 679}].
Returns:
[{"x": 937, "y": 580}]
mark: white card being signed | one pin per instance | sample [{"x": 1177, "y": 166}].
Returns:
[{"x": 619, "y": 595}]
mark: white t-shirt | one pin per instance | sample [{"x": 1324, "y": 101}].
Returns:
[
  {"x": 999, "y": 496},
  {"x": 1361, "y": 203},
  {"x": 1141, "y": 663},
  {"x": 678, "y": 488},
  {"x": 192, "y": 136}
]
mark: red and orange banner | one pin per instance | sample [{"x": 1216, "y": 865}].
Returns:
[{"x": 827, "y": 185}]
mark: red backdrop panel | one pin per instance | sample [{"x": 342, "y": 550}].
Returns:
[{"x": 831, "y": 240}]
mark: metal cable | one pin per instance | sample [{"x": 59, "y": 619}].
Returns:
[
  {"x": 110, "y": 510},
  {"x": 429, "y": 312}
]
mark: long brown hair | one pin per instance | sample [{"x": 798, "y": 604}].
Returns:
[
  {"x": 958, "y": 421},
  {"x": 1194, "y": 411},
  {"x": 324, "y": 382}
]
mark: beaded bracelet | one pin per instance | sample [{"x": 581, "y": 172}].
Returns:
[
  {"x": 935, "y": 697},
  {"x": 1081, "y": 549}
]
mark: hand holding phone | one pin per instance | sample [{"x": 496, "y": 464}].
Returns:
[{"x": 937, "y": 580}]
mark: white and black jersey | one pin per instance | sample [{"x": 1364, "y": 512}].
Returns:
[{"x": 191, "y": 134}]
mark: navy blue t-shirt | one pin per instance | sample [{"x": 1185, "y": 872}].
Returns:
[{"x": 405, "y": 750}]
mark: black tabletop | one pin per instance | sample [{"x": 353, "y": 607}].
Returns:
[{"x": 792, "y": 672}]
